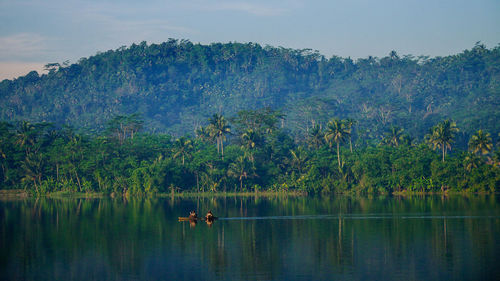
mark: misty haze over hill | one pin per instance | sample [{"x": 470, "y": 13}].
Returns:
[{"x": 175, "y": 86}]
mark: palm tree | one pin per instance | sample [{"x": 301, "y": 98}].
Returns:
[
  {"x": 336, "y": 131},
  {"x": 28, "y": 134},
  {"x": 299, "y": 157},
  {"x": 218, "y": 130},
  {"x": 75, "y": 148},
  {"x": 250, "y": 139},
  {"x": 316, "y": 137},
  {"x": 203, "y": 133},
  {"x": 349, "y": 124},
  {"x": 25, "y": 136},
  {"x": 471, "y": 161},
  {"x": 184, "y": 146},
  {"x": 394, "y": 137},
  {"x": 480, "y": 142},
  {"x": 406, "y": 140},
  {"x": 495, "y": 160},
  {"x": 442, "y": 136},
  {"x": 240, "y": 169},
  {"x": 33, "y": 167}
]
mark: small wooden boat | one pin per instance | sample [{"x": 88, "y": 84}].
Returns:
[
  {"x": 196, "y": 219},
  {"x": 189, "y": 219}
]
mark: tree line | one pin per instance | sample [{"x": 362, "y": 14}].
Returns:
[{"x": 249, "y": 151}]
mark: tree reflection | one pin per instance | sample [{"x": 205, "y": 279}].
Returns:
[{"x": 426, "y": 237}]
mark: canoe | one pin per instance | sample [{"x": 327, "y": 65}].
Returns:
[
  {"x": 197, "y": 219},
  {"x": 189, "y": 219}
]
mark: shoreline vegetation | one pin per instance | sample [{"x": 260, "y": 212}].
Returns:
[
  {"x": 251, "y": 155},
  {"x": 22, "y": 194}
]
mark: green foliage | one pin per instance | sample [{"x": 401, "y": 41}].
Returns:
[
  {"x": 259, "y": 159},
  {"x": 177, "y": 85},
  {"x": 481, "y": 142},
  {"x": 442, "y": 136}
]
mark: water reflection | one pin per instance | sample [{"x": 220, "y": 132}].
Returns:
[
  {"x": 346, "y": 238},
  {"x": 192, "y": 223}
]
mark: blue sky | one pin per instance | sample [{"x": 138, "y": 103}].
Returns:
[{"x": 35, "y": 32}]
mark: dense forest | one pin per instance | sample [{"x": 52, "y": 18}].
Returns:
[
  {"x": 248, "y": 152},
  {"x": 231, "y": 117},
  {"x": 176, "y": 86}
]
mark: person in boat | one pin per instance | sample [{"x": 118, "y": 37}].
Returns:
[
  {"x": 193, "y": 216},
  {"x": 209, "y": 216}
]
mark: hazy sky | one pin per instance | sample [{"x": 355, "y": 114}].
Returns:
[{"x": 35, "y": 32}]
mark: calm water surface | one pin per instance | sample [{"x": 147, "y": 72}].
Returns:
[{"x": 256, "y": 238}]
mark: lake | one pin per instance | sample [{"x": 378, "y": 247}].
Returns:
[{"x": 255, "y": 238}]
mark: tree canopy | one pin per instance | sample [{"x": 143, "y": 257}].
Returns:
[{"x": 177, "y": 85}]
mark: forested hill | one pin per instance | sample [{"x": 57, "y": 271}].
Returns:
[{"x": 177, "y": 85}]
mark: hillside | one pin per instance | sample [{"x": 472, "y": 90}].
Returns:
[{"x": 177, "y": 85}]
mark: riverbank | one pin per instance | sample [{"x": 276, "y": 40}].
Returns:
[
  {"x": 13, "y": 193},
  {"x": 22, "y": 194}
]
